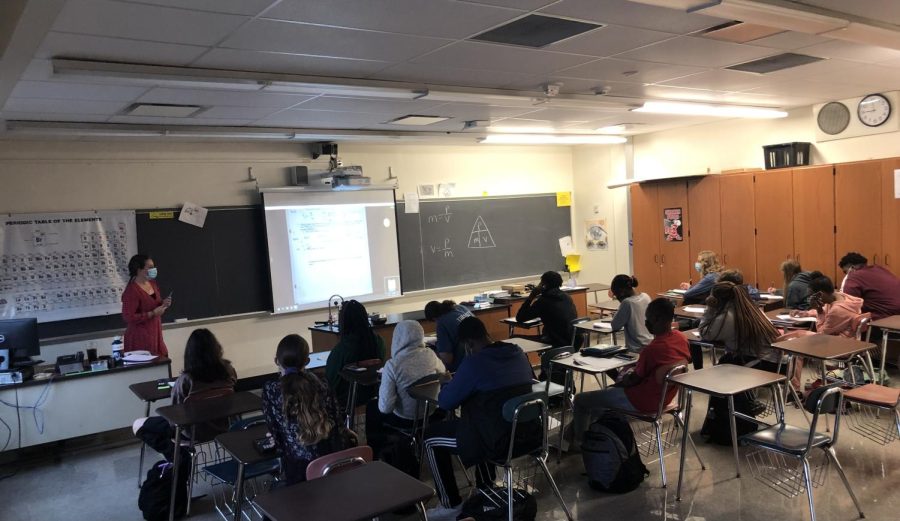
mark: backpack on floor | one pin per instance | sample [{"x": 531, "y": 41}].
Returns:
[
  {"x": 157, "y": 490},
  {"x": 610, "y": 456},
  {"x": 717, "y": 425},
  {"x": 399, "y": 451},
  {"x": 480, "y": 508}
]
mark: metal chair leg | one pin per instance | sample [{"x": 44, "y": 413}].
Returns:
[
  {"x": 422, "y": 513},
  {"x": 662, "y": 455},
  {"x": 840, "y": 470},
  {"x": 553, "y": 486},
  {"x": 509, "y": 492},
  {"x": 809, "y": 489},
  {"x": 734, "y": 443}
]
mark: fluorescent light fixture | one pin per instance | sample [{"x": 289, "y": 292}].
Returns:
[
  {"x": 521, "y": 130},
  {"x": 550, "y": 139},
  {"x": 417, "y": 120},
  {"x": 334, "y": 89},
  {"x": 230, "y": 135},
  {"x": 700, "y": 109},
  {"x": 612, "y": 129}
]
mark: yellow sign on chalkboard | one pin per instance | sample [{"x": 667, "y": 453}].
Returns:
[
  {"x": 162, "y": 215},
  {"x": 563, "y": 199}
]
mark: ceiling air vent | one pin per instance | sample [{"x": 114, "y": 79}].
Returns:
[
  {"x": 739, "y": 32},
  {"x": 775, "y": 63},
  {"x": 535, "y": 30}
]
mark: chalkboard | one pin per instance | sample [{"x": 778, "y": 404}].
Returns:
[
  {"x": 462, "y": 241},
  {"x": 220, "y": 269}
]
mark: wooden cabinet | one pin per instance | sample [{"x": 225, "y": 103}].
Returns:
[
  {"x": 704, "y": 228},
  {"x": 890, "y": 216},
  {"x": 675, "y": 261},
  {"x": 658, "y": 264},
  {"x": 857, "y": 208},
  {"x": 738, "y": 224},
  {"x": 813, "y": 194},
  {"x": 773, "y": 196}
]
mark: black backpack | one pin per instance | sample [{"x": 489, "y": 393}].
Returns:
[
  {"x": 611, "y": 457},
  {"x": 157, "y": 490},
  {"x": 480, "y": 508}
]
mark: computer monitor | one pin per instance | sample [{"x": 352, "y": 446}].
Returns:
[{"x": 20, "y": 336}]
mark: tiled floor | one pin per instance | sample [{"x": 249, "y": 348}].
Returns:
[{"x": 101, "y": 485}]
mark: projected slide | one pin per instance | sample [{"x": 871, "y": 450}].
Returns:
[{"x": 327, "y": 243}]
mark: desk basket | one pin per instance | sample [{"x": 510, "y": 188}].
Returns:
[{"x": 784, "y": 474}]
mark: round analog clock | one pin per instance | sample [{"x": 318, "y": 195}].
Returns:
[{"x": 873, "y": 110}]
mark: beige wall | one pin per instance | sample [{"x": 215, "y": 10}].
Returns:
[{"x": 61, "y": 176}]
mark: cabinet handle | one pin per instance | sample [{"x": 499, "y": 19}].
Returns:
[
  {"x": 886, "y": 261},
  {"x": 725, "y": 258},
  {"x": 798, "y": 257},
  {"x": 875, "y": 259},
  {"x": 663, "y": 258},
  {"x": 655, "y": 258}
]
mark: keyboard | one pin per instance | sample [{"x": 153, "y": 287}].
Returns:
[{"x": 601, "y": 351}]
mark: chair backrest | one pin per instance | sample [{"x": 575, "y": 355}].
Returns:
[
  {"x": 246, "y": 423},
  {"x": 206, "y": 394},
  {"x": 427, "y": 379},
  {"x": 827, "y": 399},
  {"x": 369, "y": 363},
  {"x": 338, "y": 462},
  {"x": 578, "y": 334},
  {"x": 525, "y": 408},
  {"x": 860, "y": 325},
  {"x": 550, "y": 354},
  {"x": 671, "y": 371}
]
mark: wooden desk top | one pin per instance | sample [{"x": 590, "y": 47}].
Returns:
[
  {"x": 680, "y": 311},
  {"x": 515, "y": 298},
  {"x": 369, "y": 377},
  {"x": 191, "y": 413},
  {"x": 592, "y": 364},
  {"x": 240, "y": 445},
  {"x": 597, "y": 286},
  {"x": 726, "y": 379},
  {"x": 529, "y": 324},
  {"x": 892, "y": 323},
  {"x": 823, "y": 347},
  {"x": 361, "y": 493},
  {"x": 149, "y": 391},
  {"x": 528, "y": 346},
  {"x": 608, "y": 305},
  {"x": 590, "y": 326}
]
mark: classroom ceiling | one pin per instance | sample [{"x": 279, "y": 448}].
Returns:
[{"x": 639, "y": 52}]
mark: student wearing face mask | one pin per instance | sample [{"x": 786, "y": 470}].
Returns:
[
  {"x": 143, "y": 307},
  {"x": 709, "y": 267}
]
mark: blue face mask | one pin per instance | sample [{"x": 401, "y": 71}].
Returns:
[
  {"x": 151, "y": 273},
  {"x": 698, "y": 267}
]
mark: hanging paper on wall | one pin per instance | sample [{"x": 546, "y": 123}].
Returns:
[
  {"x": 673, "y": 230},
  {"x": 573, "y": 262},
  {"x": 563, "y": 199},
  {"x": 595, "y": 236},
  {"x": 426, "y": 191},
  {"x": 193, "y": 214},
  {"x": 566, "y": 247},
  {"x": 412, "y": 202}
]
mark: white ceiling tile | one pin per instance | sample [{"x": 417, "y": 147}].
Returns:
[
  {"x": 881, "y": 10},
  {"x": 38, "y": 70},
  {"x": 827, "y": 90},
  {"x": 633, "y": 14},
  {"x": 59, "y": 106},
  {"x": 874, "y": 77},
  {"x": 322, "y": 119},
  {"x": 229, "y": 98},
  {"x": 285, "y": 63},
  {"x": 425, "y": 73},
  {"x": 371, "y": 106},
  {"x": 527, "y": 5},
  {"x": 473, "y": 111},
  {"x": 75, "y": 91},
  {"x": 851, "y": 51},
  {"x": 245, "y": 113},
  {"x": 245, "y": 7},
  {"x": 699, "y": 52},
  {"x": 629, "y": 71},
  {"x": 609, "y": 40},
  {"x": 562, "y": 115},
  {"x": 789, "y": 40},
  {"x": 768, "y": 100},
  {"x": 10, "y": 115},
  {"x": 720, "y": 79},
  {"x": 440, "y": 18},
  {"x": 500, "y": 58},
  {"x": 270, "y": 35},
  {"x": 145, "y": 22},
  {"x": 201, "y": 121},
  {"x": 61, "y": 45}
]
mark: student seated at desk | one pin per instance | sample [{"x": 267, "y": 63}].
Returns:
[
  {"x": 630, "y": 316},
  {"x": 206, "y": 373},
  {"x": 709, "y": 267},
  {"x": 641, "y": 388},
  {"x": 492, "y": 374},
  {"x": 301, "y": 412},
  {"x": 410, "y": 361},
  {"x": 878, "y": 287},
  {"x": 358, "y": 342},
  {"x": 836, "y": 313},
  {"x": 737, "y": 277},
  {"x": 447, "y": 315},
  {"x": 796, "y": 282},
  {"x": 554, "y": 307}
]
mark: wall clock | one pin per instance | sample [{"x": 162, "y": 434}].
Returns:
[{"x": 873, "y": 110}]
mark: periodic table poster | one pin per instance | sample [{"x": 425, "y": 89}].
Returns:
[{"x": 60, "y": 266}]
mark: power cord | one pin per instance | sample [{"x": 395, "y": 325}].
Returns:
[{"x": 36, "y": 412}]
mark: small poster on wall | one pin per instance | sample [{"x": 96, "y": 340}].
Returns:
[
  {"x": 672, "y": 226},
  {"x": 595, "y": 236}
]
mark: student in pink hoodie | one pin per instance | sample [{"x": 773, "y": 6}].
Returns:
[{"x": 835, "y": 312}]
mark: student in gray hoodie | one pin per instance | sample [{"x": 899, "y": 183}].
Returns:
[{"x": 410, "y": 361}]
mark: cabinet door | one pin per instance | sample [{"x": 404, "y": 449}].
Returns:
[
  {"x": 675, "y": 262},
  {"x": 773, "y": 195},
  {"x": 857, "y": 209},
  {"x": 890, "y": 211},
  {"x": 645, "y": 236},
  {"x": 813, "y": 192},
  {"x": 705, "y": 226},
  {"x": 738, "y": 224}
]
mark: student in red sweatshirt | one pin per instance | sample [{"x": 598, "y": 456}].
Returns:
[{"x": 878, "y": 287}]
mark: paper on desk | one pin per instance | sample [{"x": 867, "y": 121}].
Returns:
[
  {"x": 796, "y": 319},
  {"x": 603, "y": 325},
  {"x": 679, "y": 291},
  {"x": 694, "y": 309},
  {"x": 193, "y": 214},
  {"x": 412, "y": 202},
  {"x": 769, "y": 296},
  {"x": 138, "y": 358},
  {"x": 573, "y": 262},
  {"x": 566, "y": 247},
  {"x": 430, "y": 340}
]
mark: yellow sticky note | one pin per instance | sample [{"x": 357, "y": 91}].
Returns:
[
  {"x": 573, "y": 262},
  {"x": 162, "y": 215},
  {"x": 563, "y": 199}
]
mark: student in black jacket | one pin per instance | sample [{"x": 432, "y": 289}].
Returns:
[
  {"x": 492, "y": 374},
  {"x": 553, "y": 306}
]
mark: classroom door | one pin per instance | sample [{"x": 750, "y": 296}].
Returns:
[
  {"x": 774, "y": 225},
  {"x": 813, "y": 192},
  {"x": 645, "y": 237},
  {"x": 890, "y": 215},
  {"x": 857, "y": 209},
  {"x": 738, "y": 224},
  {"x": 705, "y": 223},
  {"x": 675, "y": 262}
]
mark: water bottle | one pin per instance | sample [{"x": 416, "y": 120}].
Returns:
[{"x": 118, "y": 349}]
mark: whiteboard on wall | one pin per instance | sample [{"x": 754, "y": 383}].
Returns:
[{"x": 60, "y": 266}]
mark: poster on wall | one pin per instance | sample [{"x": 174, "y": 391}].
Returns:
[
  {"x": 595, "y": 236},
  {"x": 60, "y": 266},
  {"x": 672, "y": 227}
]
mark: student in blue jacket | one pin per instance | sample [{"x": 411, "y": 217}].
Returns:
[
  {"x": 493, "y": 373},
  {"x": 709, "y": 267}
]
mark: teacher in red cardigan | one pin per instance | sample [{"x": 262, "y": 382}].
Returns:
[{"x": 143, "y": 307}]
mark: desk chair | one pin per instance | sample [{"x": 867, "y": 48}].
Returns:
[
  {"x": 201, "y": 445},
  {"x": 580, "y": 337},
  {"x": 864, "y": 419},
  {"x": 553, "y": 389},
  {"x": 526, "y": 408},
  {"x": 337, "y": 462},
  {"x": 675, "y": 409},
  {"x": 371, "y": 364},
  {"x": 795, "y": 443}
]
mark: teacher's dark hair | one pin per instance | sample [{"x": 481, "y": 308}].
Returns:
[
  {"x": 203, "y": 357},
  {"x": 137, "y": 263}
]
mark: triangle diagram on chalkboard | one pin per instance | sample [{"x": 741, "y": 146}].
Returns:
[{"x": 481, "y": 236}]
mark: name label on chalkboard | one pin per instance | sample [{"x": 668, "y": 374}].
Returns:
[{"x": 162, "y": 215}]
